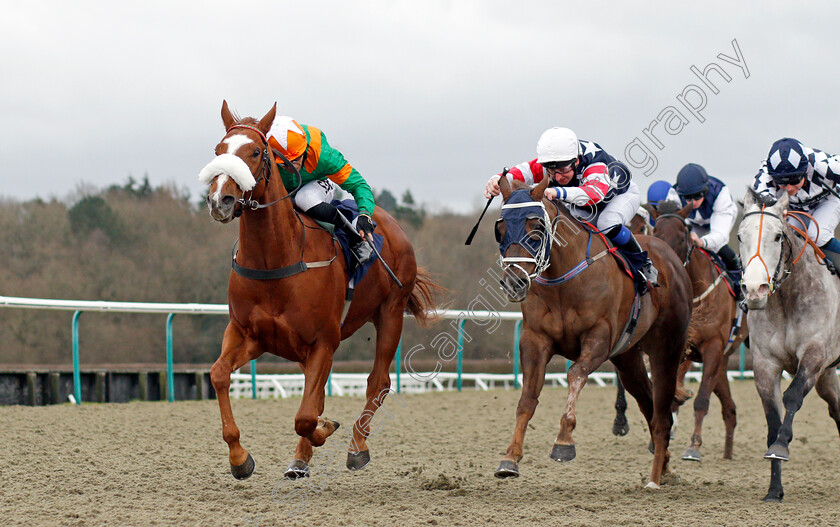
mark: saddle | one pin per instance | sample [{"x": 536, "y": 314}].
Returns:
[{"x": 349, "y": 210}]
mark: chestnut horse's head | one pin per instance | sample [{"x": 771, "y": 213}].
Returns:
[
  {"x": 242, "y": 159},
  {"x": 523, "y": 236},
  {"x": 672, "y": 228}
]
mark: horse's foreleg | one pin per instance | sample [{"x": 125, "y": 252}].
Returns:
[
  {"x": 803, "y": 381},
  {"x": 727, "y": 409},
  {"x": 712, "y": 358},
  {"x": 564, "y": 445},
  {"x": 235, "y": 354},
  {"x": 533, "y": 360},
  {"x": 768, "y": 375},
  {"x": 312, "y": 429},
  {"x": 388, "y": 324},
  {"x": 681, "y": 396}
]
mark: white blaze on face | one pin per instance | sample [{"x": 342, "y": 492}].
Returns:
[
  {"x": 235, "y": 142},
  {"x": 216, "y": 192}
]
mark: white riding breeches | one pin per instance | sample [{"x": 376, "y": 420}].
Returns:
[
  {"x": 315, "y": 192},
  {"x": 618, "y": 211},
  {"x": 827, "y": 216}
]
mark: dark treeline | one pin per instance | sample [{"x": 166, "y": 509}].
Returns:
[{"x": 136, "y": 243}]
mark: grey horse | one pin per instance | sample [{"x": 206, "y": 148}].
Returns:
[{"x": 794, "y": 312}]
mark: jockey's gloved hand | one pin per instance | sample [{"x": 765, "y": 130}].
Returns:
[{"x": 365, "y": 225}]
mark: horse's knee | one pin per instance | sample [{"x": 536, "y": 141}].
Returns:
[
  {"x": 220, "y": 377},
  {"x": 701, "y": 403},
  {"x": 304, "y": 426}
]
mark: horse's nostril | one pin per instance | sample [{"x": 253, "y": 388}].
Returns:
[{"x": 227, "y": 201}]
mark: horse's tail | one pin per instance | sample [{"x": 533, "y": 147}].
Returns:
[{"x": 423, "y": 301}]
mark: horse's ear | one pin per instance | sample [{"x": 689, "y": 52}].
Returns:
[
  {"x": 504, "y": 186},
  {"x": 265, "y": 123},
  {"x": 654, "y": 212},
  {"x": 685, "y": 211},
  {"x": 782, "y": 204},
  {"x": 227, "y": 116},
  {"x": 538, "y": 191},
  {"x": 750, "y": 198}
]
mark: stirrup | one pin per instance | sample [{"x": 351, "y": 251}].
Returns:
[{"x": 650, "y": 273}]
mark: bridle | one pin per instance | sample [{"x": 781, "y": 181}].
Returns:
[
  {"x": 781, "y": 266},
  {"x": 542, "y": 259},
  {"x": 688, "y": 246},
  {"x": 264, "y": 171}
]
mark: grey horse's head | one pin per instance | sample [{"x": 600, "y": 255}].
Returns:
[{"x": 761, "y": 235}]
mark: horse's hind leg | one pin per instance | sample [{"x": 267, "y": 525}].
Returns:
[
  {"x": 712, "y": 359},
  {"x": 388, "y": 322},
  {"x": 620, "y": 426},
  {"x": 727, "y": 404},
  {"x": 828, "y": 388},
  {"x": 236, "y": 352}
]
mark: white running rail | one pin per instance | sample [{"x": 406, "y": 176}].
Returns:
[{"x": 355, "y": 384}]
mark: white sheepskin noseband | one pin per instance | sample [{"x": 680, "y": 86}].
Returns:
[{"x": 232, "y": 166}]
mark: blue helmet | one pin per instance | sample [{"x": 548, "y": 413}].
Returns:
[
  {"x": 692, "y": 179},
  {"x": 787, "y": 162},
  {"x": 658, "y": 191}
]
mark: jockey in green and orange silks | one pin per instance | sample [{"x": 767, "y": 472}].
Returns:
[{"x": 321, "y": 168}]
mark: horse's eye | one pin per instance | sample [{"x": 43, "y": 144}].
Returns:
[
  {"x": 779, "y": 237},
  {"x": 256, "y": 152},
  {"x": 739, "y": 237}
]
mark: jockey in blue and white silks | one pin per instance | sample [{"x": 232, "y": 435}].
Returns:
[
  {"x": 810, "y": 178},
  {"x": 593, "y": 185},
  {"x": 712, "y": 216}
]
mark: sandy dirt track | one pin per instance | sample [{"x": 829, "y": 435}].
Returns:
[{"x": 432, "y": 463}]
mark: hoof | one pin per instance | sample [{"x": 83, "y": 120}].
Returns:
[
  {"x": 244, "y": 470},
  {"x": 653, "y": 486},
  {"x": 651, "y": 447},
  {"x": 778, "y": 451},
  {"x": 562, "y": 452},
  {"x": 358, "y": 460},
  {"x": 298, "y": 469},
  {"x": 692, "y": 454},
  {"x": 621, "y": 429},
  {"x": 507, "y": 469},
  {"x": 773, "y": 497}
]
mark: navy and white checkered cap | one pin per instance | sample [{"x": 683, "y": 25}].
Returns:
[{"x": 787, "y": 161}]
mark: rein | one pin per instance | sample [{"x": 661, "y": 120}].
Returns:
[{"x": 797, "y": 215}]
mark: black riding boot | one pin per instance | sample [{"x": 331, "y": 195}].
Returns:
[
  {"x": 627, "y": 244},
  {"x": 329, "y": 214},
  {"x": 733, "y": 268},
  {"x": 832, "y": 258}
]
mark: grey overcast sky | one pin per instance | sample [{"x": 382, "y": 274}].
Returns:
[{"x": 432, "y": 96}]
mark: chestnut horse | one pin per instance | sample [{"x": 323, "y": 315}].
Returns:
[
  {"x": 712, "y": 333},
  {"x": 298, "y": 317},
  {"x": 583, "y": 315},
  {"x": 794, "y": 316}
]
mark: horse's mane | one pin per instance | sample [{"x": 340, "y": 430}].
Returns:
[{"x": 668, "y": 207}]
